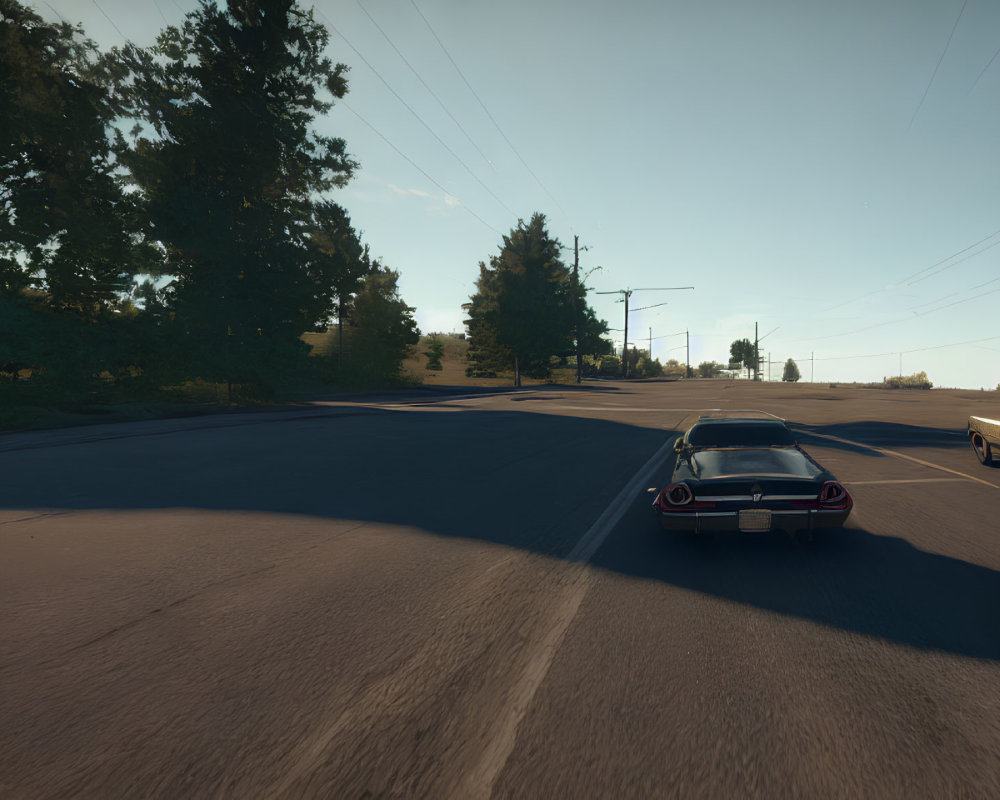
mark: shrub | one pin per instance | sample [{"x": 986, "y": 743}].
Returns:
[
  {"x": 609, "y": 366},
  {"x": 791, "y": 373},
  {"x": 916, "y": 381}
]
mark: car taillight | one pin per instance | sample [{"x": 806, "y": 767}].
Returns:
[
  {"x": 677, "y": 494},
  {"x": 833, "y": 495}
]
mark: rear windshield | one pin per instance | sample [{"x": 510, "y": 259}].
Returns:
[{"x": 740, "y": 434}]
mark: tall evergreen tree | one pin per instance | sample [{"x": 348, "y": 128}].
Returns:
[
  {"x": 523, "y": 311},
  {"x": 229, "y": 165}
]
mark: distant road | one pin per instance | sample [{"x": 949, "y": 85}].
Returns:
[{"x": 470, "y": 597}]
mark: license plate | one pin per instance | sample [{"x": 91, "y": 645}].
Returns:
[{"x": 755, "y": 520}]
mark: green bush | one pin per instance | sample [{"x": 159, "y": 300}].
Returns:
[
  {"x": 916, "y": 381},
  {"x": 609, "y": 366}
]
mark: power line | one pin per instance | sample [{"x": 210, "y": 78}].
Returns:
[
  {"x": 417, "y": 167},
  {"x": 986, "y": 283},
  {"x": 959, "y": 302},
  {"x": 932, "y": 302},
  {"x": 425, "y": 85},
  {"x": 909, "y": 281},
  {"x": 913, "y": 279},
  {"x": 904, "y": 352},
  {"x": 162, "y": 15},
  {"x": 113, "y": 25},
  {"x": 902, "y": 319},
  {"x": 488, "y": 114},
  {"x": 669, "y": 336},
  {"x": 61, "y": 17},
  {"x": 936, "y": 66},
  {"x": 988, "y": 65},
  {"x": 416, "y": 115}
]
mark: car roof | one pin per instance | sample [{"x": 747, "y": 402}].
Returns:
[
  {"x": 740, "y": 421},
  {"x": 739, "y": 432},
  {"x": 737, "y": 415}
]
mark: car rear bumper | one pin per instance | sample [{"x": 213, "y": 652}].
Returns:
[{"x": 729, "y": 521}]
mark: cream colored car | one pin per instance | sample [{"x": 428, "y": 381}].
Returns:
[{"x": 984, "y": 436}]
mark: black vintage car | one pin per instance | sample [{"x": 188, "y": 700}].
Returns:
[{"x": 748, "y": 475}]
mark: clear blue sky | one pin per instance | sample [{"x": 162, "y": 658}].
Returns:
[{"x": 804, "y": 164}]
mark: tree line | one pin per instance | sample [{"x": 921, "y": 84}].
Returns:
[{"x": 163, "y": 212}]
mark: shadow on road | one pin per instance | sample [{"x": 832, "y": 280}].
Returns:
[
  {"x": 526, "y": 480},
  {"x": 851, "y": 579},
  {"x": 892, "y": 435}
]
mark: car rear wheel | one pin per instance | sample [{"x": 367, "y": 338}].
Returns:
[{"x": 981, "y": 448}]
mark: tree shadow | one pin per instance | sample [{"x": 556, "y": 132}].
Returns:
[
  {"x": 520, "y": 479},
  {"x": 851, "y": 579},
  {"x": 454, "y": 391}
]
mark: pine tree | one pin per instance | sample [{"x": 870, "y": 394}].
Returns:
[
  {"x": 230, "y": 167},
  {"x": 523, "y": 311}
]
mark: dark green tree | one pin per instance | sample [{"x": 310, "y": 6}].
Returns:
[
  {"x": 386, "y": 330},
  {"x": 66, "y": 226},
  {"x": 741, "y": 354},
  {"x": 592, "y": 331},
  {"x": 524, "y": 308},
  {"x": 434, "y": 352},
  {"x": 709, "y": 369},
  {"x": 337, "y": 263},
  {"x": 791, "y": 372},
  {"x": 229, "y": 166}
]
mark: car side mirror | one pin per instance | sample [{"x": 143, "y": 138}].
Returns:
[{"x": 679, "y": 446}]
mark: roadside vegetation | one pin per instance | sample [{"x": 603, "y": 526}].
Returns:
[
  {"x": 916, "y": 381},
  {"x": 167, "y": 234},
  {"x": 168, "y": 237}
]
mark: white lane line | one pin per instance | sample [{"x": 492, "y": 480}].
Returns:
[
  {"x": 896, "y": 454},
  {"x": 478, "y": 781},
  {"x": 907, "y": 480},
  {"x": 599, "y": 531}
]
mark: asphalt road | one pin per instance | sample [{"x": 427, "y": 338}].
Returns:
[{"x": 470, "y": 598}]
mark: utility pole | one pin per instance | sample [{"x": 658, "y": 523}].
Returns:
[
  {"x": 687, "y": 361},
  {"x": 628, "y": 294},
  {"x": 576, "y": 306},
  {"x": 625, "y": 295},
  {"x": 650, "y": 344},
  {"x": 812, "y": 367},
  {"x": 756, "y": 356}
]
